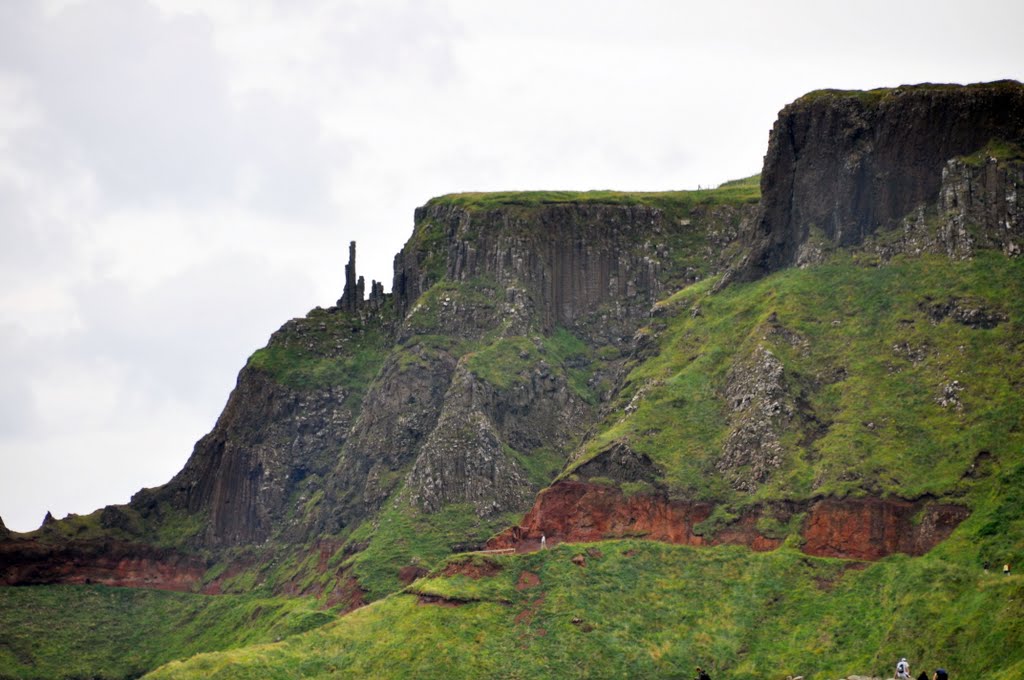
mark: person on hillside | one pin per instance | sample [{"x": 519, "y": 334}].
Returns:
[
  {"x": 1006, "y": 569},
  {"x": 702, "y": 674},
  {"x": 940, "y": 674},
  {"x": 543, "y": 541},
  {"x": 923, "y": 676},
  {"x": 902, "y": 670}
]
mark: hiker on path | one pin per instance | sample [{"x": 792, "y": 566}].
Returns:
[
  {"x": 940, "y": 674},
  {"x": 1006, "y": 569},
  {"x": 702, "y": 674},
  {"x": 543, "y": 541},
  {"x": 902, "y": 670}
]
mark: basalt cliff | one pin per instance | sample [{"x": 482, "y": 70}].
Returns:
[
  {"x": 911, "y": 169},
  {"x": 821, "y": 363}
]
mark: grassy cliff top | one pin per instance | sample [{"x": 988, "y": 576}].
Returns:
[
  {"x": 878, "y": 94},
  {"x": 745, "y": 190}
]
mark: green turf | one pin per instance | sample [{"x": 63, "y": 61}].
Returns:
[
  {"x": 49, "y": 632},
  {"x": 643, "y": 609}
]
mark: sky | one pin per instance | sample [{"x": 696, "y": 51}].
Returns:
[{"x": 180, "y": 177}]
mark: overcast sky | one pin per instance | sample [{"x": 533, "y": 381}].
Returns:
[{"x": 180, "y": 177}]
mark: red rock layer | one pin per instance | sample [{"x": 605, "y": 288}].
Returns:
[
  {"x": 866, "y": 529},
  {"x": 30, "y": 562},
  {"x": 871, "y": 528}
]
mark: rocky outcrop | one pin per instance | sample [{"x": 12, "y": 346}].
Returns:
[
  {"x": 514, "y": 271},
  {"x": 569, "y": 258},
  {"x": 465, "y": 458},
  {"x": 971, "y": 313},
  {"x": 399, "y": 412},
  {"x": 844, "y": 166},
  {"x": 760, "y": 410},
  {"x": 863, "y": 529},
  {"x": 352, "y": 297},
  {"x": 977, "y": 209},
  {"x": 577, "y": 511},
  {"x": 619, "y": 463}
]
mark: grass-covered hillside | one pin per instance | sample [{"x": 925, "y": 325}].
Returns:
[
  {"x": 49, "y": 632},
  {"x": 901, "y": 380},
  {"x": 894, "y": 381},
  {"x": 635, "y": 609}
]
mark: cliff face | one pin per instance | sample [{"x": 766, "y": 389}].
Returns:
[
  {"x": 349, "y": 405},
  {"x": 479, "y": 401},
  {"x": 844, "y": 166},
  {"x": 245, "y": 476},
  {"x": 568, "y": 260}
]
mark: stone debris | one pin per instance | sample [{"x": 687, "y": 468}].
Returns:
[
  {"x": 949, "y": 396},
  {"x": 761, "y": 409}
]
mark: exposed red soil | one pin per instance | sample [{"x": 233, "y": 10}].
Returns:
[
  {"x": 472, "y": 568},
  {"x": 871, "y": 528},
  {"x": 409, "y": 574},
  {"x": 215, "y": 587},
  {"x": 864, "y": 529},
  {"x": 527, "y": 579},
  {"x": 861, "y": 529},
  {"x": 135, "y": 565},
  {"x": 524, "y": 616},
  {"x": 347, "y": 592}
]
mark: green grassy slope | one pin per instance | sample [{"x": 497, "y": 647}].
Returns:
[
  {"x": 49, "y": 632},
  {"x": 867, "y": 360},
  {"x": 325, "y": 349},
  {"x": 641, "y": 609}
]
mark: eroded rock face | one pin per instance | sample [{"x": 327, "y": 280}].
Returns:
[
  {"x": 465, "y": 458},
  {"x": 846, "y": 166},
  {"x": 463, "y": 461},
  {"x": 620, "y": 463},
  {"x": 571, "y": 258},
  {"x": 399, "y": 413},
  {"x": 244, "y": 472},
  {"x": 863, "y": 529},
  {"x": 761, "y": 408},
  {"x": 580, "y": 512}
]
